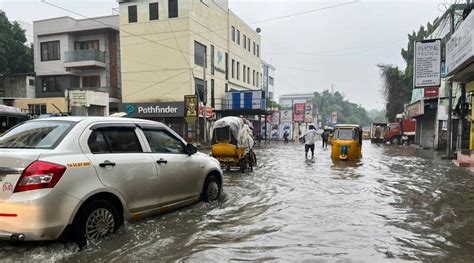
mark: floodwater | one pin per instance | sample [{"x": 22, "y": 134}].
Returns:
[{"x": 396, "y": 204}]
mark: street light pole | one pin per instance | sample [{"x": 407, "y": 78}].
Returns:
[{"x": 204, "y": 114}]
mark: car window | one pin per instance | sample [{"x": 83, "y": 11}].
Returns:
[
  {"x": 162, "y": 142},
  {"x": 114, "y": 140},
  {"x": 344, "y": 134},
  {"x": 36, "y": 135}
]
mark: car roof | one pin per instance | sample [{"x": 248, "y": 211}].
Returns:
[
  {"x": 81, "y": 119},
  {"x": 347, "y": 126}
]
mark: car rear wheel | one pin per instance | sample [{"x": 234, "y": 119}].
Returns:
[
  {"x": 95, "y": 221},
  {"x": 212, "y": 189}
]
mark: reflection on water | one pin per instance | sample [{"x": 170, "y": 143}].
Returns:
[{"x": 397, "y": 202}]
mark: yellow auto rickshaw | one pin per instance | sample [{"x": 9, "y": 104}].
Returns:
[
  {"x": 347, "y": 142},
  {"x": 228, "y": 146}
]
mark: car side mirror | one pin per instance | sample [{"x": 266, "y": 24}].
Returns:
[{"x": 191, "y": 149}]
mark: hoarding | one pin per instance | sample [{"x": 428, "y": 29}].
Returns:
[
  {"x": 298, "y": 114},
  {"x": 334, "y": 117},
  {"x": 286, "y": 116},
  {"x": 427, "y": 63},
  {"x": 308, "y": 113},
  {"x": 460, "y": 47},
  {"x": 275, "y": 118},
  {"x": 416, "y": 109}
]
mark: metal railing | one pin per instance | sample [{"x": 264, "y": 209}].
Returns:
[{"x": 84, "y": 55}]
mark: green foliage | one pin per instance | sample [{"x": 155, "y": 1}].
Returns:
[
  {"x": 347, "y": 112},
  {"x": 15, "y": 55},
  {"x": 377, "y": 115}
]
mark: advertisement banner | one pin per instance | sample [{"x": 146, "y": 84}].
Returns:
[
  {"x": 430, "y": 92},
  {"x": 190, "y": 102},
  {"x": 416, "y": 109},
  {"x": 334, "y": 117},
  {"x": 275, "y": 118},
  {"x": 275, "y": 131},
  {"x": 427, "y": 63},
  {"x": 286, "y": 127},
  {"x": 460, "y": 47},
  {"x": 286, "y": 116},
  {"x": 308, "y": 113},
  {"x": 298, "y": 114}
]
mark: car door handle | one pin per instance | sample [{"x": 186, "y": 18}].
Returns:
[
  {"x": 162, "y": 161},
  {"x": 106, "y": 163}
]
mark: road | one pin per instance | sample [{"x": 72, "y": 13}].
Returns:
[{"x": 397, "y": 203}]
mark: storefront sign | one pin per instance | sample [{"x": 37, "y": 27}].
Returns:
[
  {"x": 460, "y": 47},
  {"x": 298, "y": 115},
  {"x": 154, "y": 110},
  {"x": 78, "y": 98},
  {"x": 430, "y": 92},
  {"x": 427, "y": 63},
  {"x": 416, "y": 109},
  {"x": 191, "y": 104}
]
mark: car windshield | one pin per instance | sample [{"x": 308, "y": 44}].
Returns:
[
  {"x": 36, "y": 135},
  {"x": 343, "y": 134}
]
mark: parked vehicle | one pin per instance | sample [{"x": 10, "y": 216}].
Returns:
[
  {"x": 347, "y": 142},
  {"x": 81, "y": 177},
  {"x": 10, "y": 116},
  {"x": 232, "y": 145},
  {"x": 377, "y": 132},
  {"x": 402, "y": 130}
]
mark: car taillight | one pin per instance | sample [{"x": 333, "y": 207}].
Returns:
[{"x": 39, "y": 175}]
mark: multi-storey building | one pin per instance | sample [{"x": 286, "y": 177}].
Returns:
[
  {"x": 268, "y": 84},
  {"x": 171, "y": 48},
  {"x": 77, "y": 65}
]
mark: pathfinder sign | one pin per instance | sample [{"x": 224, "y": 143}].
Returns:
[{"x": 427, "y": 63}]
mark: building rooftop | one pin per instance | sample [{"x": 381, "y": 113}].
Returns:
[{"x": 66, "y": 24}]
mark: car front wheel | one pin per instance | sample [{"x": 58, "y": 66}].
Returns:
[
  {"x": 212, "y": 189},
  {"x": 95, "y": 221}
]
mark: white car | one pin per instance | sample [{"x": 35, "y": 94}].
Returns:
[{"x": 81, "y": 177}]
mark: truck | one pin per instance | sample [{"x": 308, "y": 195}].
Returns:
[{"x": 401, "y": 131}]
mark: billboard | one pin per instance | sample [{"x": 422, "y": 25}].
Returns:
[
  {"x": 298, "y": 114},
  {"x": 286, "y": 116},
  {"x": 427, "y": 63},
  {"x": 334, "y": 117},
  {"x": 308, "y": 113},
  {"x": 460, "y": 47},
  {"x": 275, "y": 118}
]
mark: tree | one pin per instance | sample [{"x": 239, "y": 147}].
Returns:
[
  {"x": 15, "y": 55},
  {"x": 395, "y": 92}
]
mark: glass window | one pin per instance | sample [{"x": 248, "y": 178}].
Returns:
[
  {"x": 199, "y": 54},
  {"x": 238, "y": 70},
  {"x": 97, "y": 142},
  {"x": 248, "y": 75},
  {"x": 344, "y": 134},
  {"x": 132, "y": 14},
  {"x": 173, "y": 8},
  {"x": 212, "y": 60},
  {"x": 162, "y": 142},
  {"x": 270, "y": 80},
  {"x": 233, "y": 33},
  {"x": 121, "y": 140},
  {"x": 248, "y": 44},
  {"x": 253, "y": 81},
  {"x": 87, "y": 45},
  {"x": 238, "y": 37},
  {"x": 213, "y": 95},
  {"x": 31, "y": 82},
  {"x": 233, "y": 68},
  {"x": 37, "y": 109},
  {"x": 258, "y": 50},
  {"x": 245, "y": 41},
  {"x": 200, "y": 89},
  {"x": 245, "y": 72},
  {"x": 154, "y": 11},
  {"x": 51, "y": 84},
  {"x": 36, "y": 135},
  {"x": 254, "y": 48},
  {"x": 90, "y": 81},
  {"x": 226, "y": 66},
  {"x": 50, "y": 51}
]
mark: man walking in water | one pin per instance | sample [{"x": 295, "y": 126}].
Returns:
[
  {"x": 310, "y": 138},
  {"x": 325, "y": 137}
]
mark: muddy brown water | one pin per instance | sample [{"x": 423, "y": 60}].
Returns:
[{"x": 396, "y": 204}]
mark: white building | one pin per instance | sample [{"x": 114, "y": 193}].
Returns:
[{"x": 268, "y": 72}]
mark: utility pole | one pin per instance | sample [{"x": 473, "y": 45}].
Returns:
[
  {"x": 449, "y": 86},
  {"x": 204, "y": 114}
]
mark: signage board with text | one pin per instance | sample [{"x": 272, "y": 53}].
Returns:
[
  {"x": 154, "y": 110},
  {"x": 427, "y": 68}
]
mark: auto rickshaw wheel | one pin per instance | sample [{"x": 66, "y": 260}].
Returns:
[{"x": 244, "y": 163}]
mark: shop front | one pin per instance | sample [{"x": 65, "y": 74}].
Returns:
[
  {"x": 169, "y": 113},
  {"x": 424, "y": 112}
]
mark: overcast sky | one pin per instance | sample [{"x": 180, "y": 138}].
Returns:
[{"x": 337, "y": 47}]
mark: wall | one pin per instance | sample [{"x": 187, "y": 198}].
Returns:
[{"x": 61, "y": 103}]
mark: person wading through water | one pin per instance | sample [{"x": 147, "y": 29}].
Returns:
[
  {"x": 310, "y": 138},
  {"x": 325, "y": 137}
]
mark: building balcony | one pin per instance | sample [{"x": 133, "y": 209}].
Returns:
[
  {"x": 114, "y": 93},
  {"x": 84, "y": 59}
]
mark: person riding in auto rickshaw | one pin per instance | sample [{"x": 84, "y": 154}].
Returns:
[
  {"x": 232, "y": 143},
  {"x": 347, "y": 142}
]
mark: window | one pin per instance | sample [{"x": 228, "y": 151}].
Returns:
[
  {"x": 248, "y": 44},
  {"x": 233, "y": 68},
  {"x": 200, "y": 88},
  {"x": 37, "y": 109},
  {"x": 253, "y": 82},
  {"x": 132, "y": 14},
  {"x": 270, "y": 80},
  {"x": 238, "y": 70},
  {"x": 213, "y": 95},
  {"x": 114, "y": 140},
  {"x": 344, "y": 134},
  {"x": 245, "y": 41},
  {"x": 87, "y": 45},
  {"x": 50, "y": 51},
  {"x": 199, "y": 54},
  {"x": 257, "y": 80},
  {"x": 31, "y": 82},
  {"x": 172, "y": 8},
  {"x": 226, "y": 66},
  {"x": 226, "y": 87},
  {"x": 154, "y": 11},
  {"x": 245, "y": 72},
  {"x": 254, "y": 48},
  {"x": 233, "y": 33},
  {"x": 238, "y": 37},
  {"x": 248, "y": 75},
  {"x": 212, "y": 60},
  {"x": 258, "y": 50},
  {"x": 90, "y": 81},
  {"x": 36, "y": 135},
  {"x": 51, "y": 84},
  {"x": 162, "y": 142}
]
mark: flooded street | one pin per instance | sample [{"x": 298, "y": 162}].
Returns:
[{"x": 398, "y": 203}]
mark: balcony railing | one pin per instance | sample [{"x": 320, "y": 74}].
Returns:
[{"x": 84, "y": 55}]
